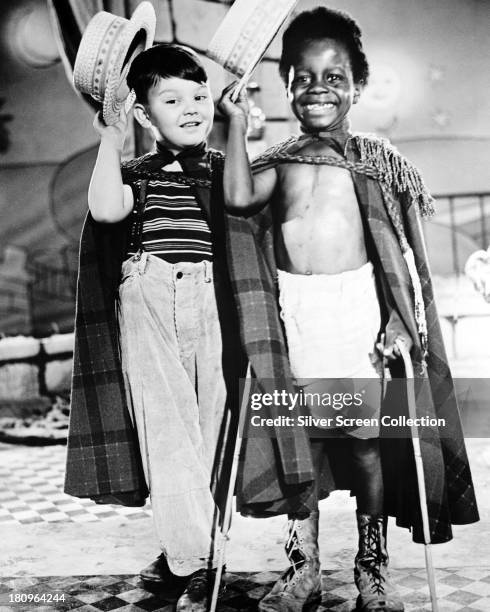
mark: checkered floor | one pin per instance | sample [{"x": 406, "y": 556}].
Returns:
[
  {"x": 458, "y": 591},
  {"x": 31, "y": 490}
]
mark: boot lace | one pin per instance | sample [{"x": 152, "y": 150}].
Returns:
[
  {"x": 297, "y": 558},
  {"x": 373, "y": 559}
]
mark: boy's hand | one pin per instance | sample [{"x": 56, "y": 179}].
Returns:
[
  {"x": 389, "y": 350},
  {"x": 236, "y": 109},
  {"x": 114, "y": 134}
]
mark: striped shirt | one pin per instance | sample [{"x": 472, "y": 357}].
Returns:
[{"x": 174, "y": 226}]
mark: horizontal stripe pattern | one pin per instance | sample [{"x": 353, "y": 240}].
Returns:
[{"x": 174, "y": 226}]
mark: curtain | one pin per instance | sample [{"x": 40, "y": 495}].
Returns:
[{"x": 70, "y": 18}]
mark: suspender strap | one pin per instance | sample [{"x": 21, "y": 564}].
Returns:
[
  {"x": 136, "y": 240},
  {"x": 139, "y": 214}
]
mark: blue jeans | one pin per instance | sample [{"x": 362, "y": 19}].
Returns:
[{"x": 171, "y": 351}]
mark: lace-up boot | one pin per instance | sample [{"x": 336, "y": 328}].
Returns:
[
  {"x": 301, "y": 583},
  {"x": 376, "y": 591}
]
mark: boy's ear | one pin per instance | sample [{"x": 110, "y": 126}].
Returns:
[
  {"x": 141, "y": 116},
  {"x": 358, "y": 87}
]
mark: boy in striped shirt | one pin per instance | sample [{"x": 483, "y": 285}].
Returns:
[{"x": 172, "y": 309}]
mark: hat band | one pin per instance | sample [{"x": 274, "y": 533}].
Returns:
[{"x": 252, "y": 36}]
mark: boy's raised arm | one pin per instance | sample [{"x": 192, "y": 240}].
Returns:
[
  {"x": 243, "y": 192},
  {"x": 109, "y": 200}
]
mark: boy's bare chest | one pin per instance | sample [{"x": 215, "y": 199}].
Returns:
[{"x": 318, "y": 191}]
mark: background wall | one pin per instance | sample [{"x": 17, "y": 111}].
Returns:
[{"x": 429, "y": 93}]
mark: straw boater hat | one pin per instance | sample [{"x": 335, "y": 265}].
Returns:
[
  {"x": 108, "y": 46},
  {"x": 245, "y": 33}
]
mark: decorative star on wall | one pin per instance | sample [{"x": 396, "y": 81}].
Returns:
[
  {"x": 436, "y": 73},
  {"x": 441, "y": 118}
]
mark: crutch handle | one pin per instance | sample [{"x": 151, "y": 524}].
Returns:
[{"x": 407, "y": 361}]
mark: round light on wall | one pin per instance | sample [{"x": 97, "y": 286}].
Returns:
[{"x": 31, "y": 36}]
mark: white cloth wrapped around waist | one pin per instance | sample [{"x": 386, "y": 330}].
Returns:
[{"x": 331, "y": 323}]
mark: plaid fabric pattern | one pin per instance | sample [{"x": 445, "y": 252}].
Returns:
[
  {"x": 449, "y": 487},
  {"x": 263, "y": 485},
  {"x": 102, "y": 455},
  {"x": 252, "y": 265}
]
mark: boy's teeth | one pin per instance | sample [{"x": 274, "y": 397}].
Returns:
[{"x": 320, "y": 105}]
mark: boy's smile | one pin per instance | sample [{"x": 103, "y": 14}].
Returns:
[
  {"x": 180, "y": 111},
  {"x": 321, "y": 87}
]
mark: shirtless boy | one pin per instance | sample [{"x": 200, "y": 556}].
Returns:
[{"x": 330, "y": 303}]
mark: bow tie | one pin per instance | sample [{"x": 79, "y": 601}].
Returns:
[{"x": 167, "y": 157}]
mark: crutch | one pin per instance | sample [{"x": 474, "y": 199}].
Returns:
[
  {"x": 419, "y": 466},
  {"x": 226, "y": 524}
]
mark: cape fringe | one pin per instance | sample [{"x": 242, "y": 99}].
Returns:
[{"x": 395, "y": 170}]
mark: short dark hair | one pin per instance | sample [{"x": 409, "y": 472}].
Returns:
[
  {"x": 164, "y": 61},
  {"x": 323, "y": 22}
]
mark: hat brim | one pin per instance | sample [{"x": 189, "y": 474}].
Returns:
[
  {"x": 245, "y": 33},
  {"x": 138, "y": 35}
]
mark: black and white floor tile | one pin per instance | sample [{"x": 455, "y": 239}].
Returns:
[
  {"x": 466, "y": 590},
  {"x": 32, "y": 490}
]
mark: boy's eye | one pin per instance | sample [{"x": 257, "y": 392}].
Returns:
[
  {"x": 171, "y": 101},
  {"x": 201, "y": 97},
  {"x": 334, "y": 78},
  {"x": 301, "y": 78}
]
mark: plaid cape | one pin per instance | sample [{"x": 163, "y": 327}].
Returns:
[
  {"x": 275, "y": 475},
  {"x": 263, "y": 488}
]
